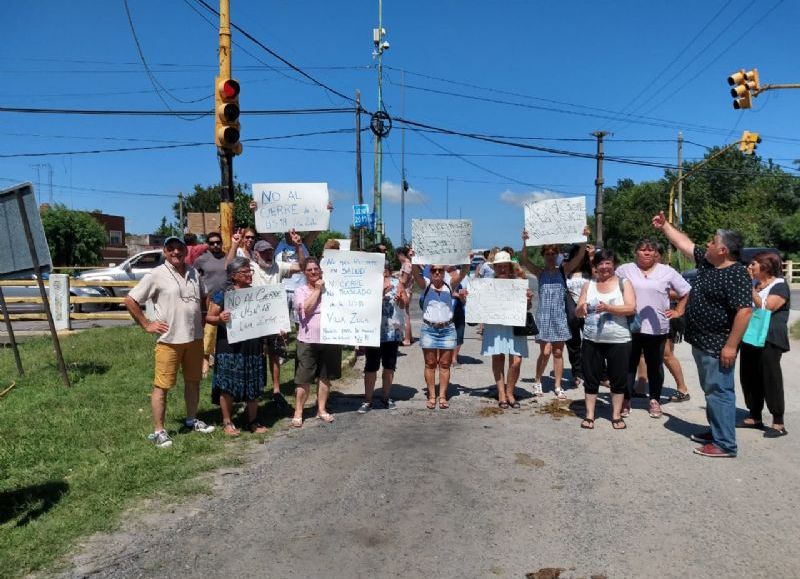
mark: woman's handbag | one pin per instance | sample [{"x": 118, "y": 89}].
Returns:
[
  {"x": 529, "y": 329},
  {"x": 757, "y": 328},
  {"x": 573, "y": 321}
]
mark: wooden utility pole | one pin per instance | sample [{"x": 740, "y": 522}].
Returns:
[
  {"x": 598, "y": 187},
  {"x": 225, "y": 156},
  {"x": 359, "y": 185}
]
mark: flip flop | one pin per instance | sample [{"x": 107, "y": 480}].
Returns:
[
  {"x": 431, "y": 404},
  {"x": 325, "y": 417},
  {"x": 503, "y": 405},
  {"x": 515, "y": 405},
  {"x": 443, "y": 405},
  {"x": 297, "y": 423},
  {"x": 616, "y": 422},
  {"x": 587, "y": 423}
]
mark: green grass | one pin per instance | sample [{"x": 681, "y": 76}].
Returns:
[
  {"x": 72, "y": 460},
  {"x": 795, "y": 330}
]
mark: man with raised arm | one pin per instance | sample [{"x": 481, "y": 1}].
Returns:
[{"x": 717, "y": 314}]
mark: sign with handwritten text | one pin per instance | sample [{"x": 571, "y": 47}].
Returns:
[
  {"x": 497, "y": 301},
  {"x": 556, "y": 221},
  {"x": 353, "y": 298},
  {"x": 283, "y": 206},
  {"x": 441, "y": 241},
  {"x": 256, "y": 311}
]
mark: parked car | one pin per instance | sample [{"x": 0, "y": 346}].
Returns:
[
  {"x": 132, "y": 269},
  {"x": 32, "y": 291}
]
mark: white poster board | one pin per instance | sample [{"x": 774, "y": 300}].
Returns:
[
  {"x": 284, "y": 206},
  {"x": 441, "y": 241},
  {"x": 344, "y": 244},
  {"x": 256, "y": 311},
  {"x": 556, "y": 221},
  {"x": 497, "y": 301},
  {"x": 353, "y": 298}
]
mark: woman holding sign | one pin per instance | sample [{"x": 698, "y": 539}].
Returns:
[
  {"x": 438, "y": 332},
  {"x": 551, "y": 315},
  {"x": 239, "y": 369},
  {"x": 316, "y": 362},
  {"x": 500, "y": 340}
]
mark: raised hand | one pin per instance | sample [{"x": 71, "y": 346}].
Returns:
[{"x": 659, "y": 220}]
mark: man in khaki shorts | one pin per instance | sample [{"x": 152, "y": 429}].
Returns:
[{"x": 177, "y": 293}]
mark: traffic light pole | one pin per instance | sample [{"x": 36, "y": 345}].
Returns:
[{"x": 225, "y": 156}]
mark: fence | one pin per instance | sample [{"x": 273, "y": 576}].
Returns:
[
  {"x": 64, "y": 307},
  {"x": 791, "y": 273}
]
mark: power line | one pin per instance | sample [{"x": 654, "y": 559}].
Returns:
[{"x": 131, "y": 112}]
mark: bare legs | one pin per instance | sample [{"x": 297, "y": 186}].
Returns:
[
  {"x": 557, "y": 350},
  {"x": 433, "y": 359},
  {"x": 674, "y": 366},
  {"x": 507, "y": 383}
]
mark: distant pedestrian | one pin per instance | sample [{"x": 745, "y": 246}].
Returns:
[
  {"x": 717, "y": 314},
  {"x": 407, "y": 283},
  {"x": 177, "y": 293},
  {"x": 194, "y": 249}
]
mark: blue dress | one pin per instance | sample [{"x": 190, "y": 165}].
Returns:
[
  {"x": 551, "y": 315},
  {"x": 499, "y": 339},
  {"x": 239, "y": 368}
]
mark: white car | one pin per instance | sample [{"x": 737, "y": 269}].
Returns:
[
  {"x": 32, "y": 291},
  {"x": 132, "y": 269}
]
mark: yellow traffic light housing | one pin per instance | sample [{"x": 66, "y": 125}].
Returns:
[
  {"x": 227, "y": 127},
  {"x": 745, "y": 86},
  {"x": 748, "y": 143}
]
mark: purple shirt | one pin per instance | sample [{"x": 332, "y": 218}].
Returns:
[
  {"x": 308, "y": 330},
  {"x": 652, "y": 294}
]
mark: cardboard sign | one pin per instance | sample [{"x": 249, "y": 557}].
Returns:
[
  {"x": 497, "y": 301},
  {"x": 15, "y": 255},
  {"x": 202, "y": 223},
  {"x": 284, "y": 206},
  {"x": 556, "y": 221},
  {"x": 441, "y": 241},
  {"x": 256, "y": 311},
  {"x": 353, "y": 298},
  {"x": 344, "y": 244}
]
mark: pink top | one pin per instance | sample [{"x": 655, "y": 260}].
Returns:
[
  {"x": 652, "y": 294},
  {"x": 308, "y": 330}
]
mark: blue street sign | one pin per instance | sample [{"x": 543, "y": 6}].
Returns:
[{"x": 362, "y": 216}]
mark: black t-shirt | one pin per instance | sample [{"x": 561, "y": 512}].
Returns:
[
  {"x": 778, "y": 333},
  {"x": 716, "y": 296}
]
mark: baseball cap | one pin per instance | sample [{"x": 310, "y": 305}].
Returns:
[{"x": 262, "y": 245}]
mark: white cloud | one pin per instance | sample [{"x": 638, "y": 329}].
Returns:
[
  {"x": 337, "y": 195},
  {"x": 391, "y": 194},
  {"x": 520, "y": 199}
]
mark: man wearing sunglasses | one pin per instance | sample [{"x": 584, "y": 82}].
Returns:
[{"x": 211, "y": 266}]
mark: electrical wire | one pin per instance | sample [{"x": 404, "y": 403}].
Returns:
[{"x": 131, "y": 112}]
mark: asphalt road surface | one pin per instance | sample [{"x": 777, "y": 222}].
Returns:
[{"x": 475, "y": 492}]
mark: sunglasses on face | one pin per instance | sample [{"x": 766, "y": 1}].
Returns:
[
  {"x": 437, "y": 271},
  {"x": 215, "y": 243},
  {"x": 249, "y": 236}
]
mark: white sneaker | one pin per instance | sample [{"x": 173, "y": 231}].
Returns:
[
  {"x": 200, "y": 426},
  {"x": 537, "y": 389},
  {"x": 364, "y": 408},
  {"x": 560, "y": 394},
  {"x": 161, "y": 439}
]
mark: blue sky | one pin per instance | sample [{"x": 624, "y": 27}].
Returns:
[{"x": 642, "y": 70}]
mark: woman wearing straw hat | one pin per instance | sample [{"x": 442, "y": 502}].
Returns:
[{"x": 499, "y": 341}]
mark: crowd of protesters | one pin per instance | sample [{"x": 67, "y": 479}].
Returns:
[{"x": 614, "y": 319}]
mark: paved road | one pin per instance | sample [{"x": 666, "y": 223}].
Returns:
[{"x": 470, "y": 492}]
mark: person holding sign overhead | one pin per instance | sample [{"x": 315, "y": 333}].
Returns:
[
  {"x": 438, "y": 333},
  {"x": 500, "y": 340},
  {"x": 239, "y": 369},
  {"x": 551, "y": 315},
  {"x": 315, "y": 362}
]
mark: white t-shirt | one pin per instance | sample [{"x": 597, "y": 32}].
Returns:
[
  {"x": 605, "y": 327},
  {"x": 273, "y": 275},
  {"x": 437, "y": 306}
]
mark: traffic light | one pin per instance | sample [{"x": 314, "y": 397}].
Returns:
[
  {"x": 227, "y": 115},
  {"x": 745, "y": 87},
  {"x": 749, "y": 142}
]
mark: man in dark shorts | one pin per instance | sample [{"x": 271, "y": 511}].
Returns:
[{"x": 719, "y": 308}]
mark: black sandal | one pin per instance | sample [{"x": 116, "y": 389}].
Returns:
[
  {"x": 587, "y": 423},
  {"x": 503, "y": 405},
  {"x": 616, "y": 421},
  {"x": 515, "y": 405},
  {"x": 680, "y": 397}
]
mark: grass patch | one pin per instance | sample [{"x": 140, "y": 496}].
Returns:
[
  {"x": 795, "y": 330},
  {"x": 72, "y": 460}
]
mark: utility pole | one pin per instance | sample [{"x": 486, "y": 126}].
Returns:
[
  {"x": 224, "y": 154},
  {"x": 381, "y": 45},
  {"x": 359, "y": 187},
  {"x": 598, "y": 187},
  {"x": 679, "y": 212},
  {"x": 403, "y": 183},
  {"x": 180, "y": 214}
]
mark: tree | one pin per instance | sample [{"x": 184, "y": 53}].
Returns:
[
  {"x": 167, "y": 229},
  {"x": 75, "y": 238},
  {"x": 206, "y": 200}
]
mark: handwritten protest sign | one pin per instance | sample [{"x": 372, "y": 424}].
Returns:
[
  {"x": 497, "y": 301},
  {"x": 353, "y": 298},
  {"x": 556, "y": 221},
  {"x": 344, "y": 244},
  {"x": 283, "y": 206},
  {"x": 441, "y": 241},
  {"x": 256, "y": 311}
]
